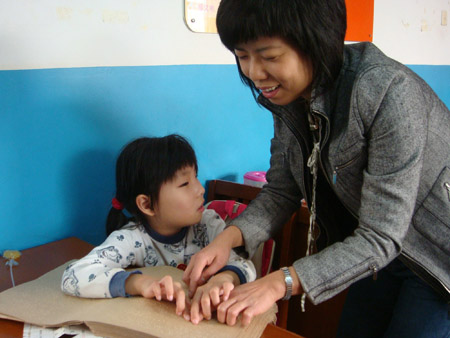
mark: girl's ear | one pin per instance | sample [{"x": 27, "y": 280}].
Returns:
[{"x": 143, "y": 203}]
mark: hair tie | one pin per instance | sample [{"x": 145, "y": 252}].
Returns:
[{"x": 116, "y": 204}]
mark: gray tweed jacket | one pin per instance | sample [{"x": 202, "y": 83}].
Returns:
[{"x": 385, "y": 156}]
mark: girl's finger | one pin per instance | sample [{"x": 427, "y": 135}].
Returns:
[
  {"x": 156, "y": 289},
  {"x": 180, "y": 301},
  {"x": 167, "y": 281},
  {"x": 227, "y": 288},
  {"x": 206, "y": 306},
  {"x": 214, "y": 295},
  {"x": 195, "y": 308}
]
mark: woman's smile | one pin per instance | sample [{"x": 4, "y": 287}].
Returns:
[
  {"x": 270, "y": 92},
  {"x": 277, "y": 69}
]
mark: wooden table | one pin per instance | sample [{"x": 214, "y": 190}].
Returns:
[{"x": 37, "y": 261}]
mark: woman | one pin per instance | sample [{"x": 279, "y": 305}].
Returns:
[{"x": 365, "y": 142}]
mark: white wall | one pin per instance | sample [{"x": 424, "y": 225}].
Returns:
[
  {"x": 413, "y": 31},
  {"x": 89, "y": 33}
]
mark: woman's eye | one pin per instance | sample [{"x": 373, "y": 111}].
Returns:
[{"x": 241, "y": 57}]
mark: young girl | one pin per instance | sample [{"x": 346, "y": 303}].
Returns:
[
  {"x": 156, "y": 182},
  {"x": 366, "y": 143}
]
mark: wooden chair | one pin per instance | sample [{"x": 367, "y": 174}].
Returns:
[{"x": 290, "y": 244}]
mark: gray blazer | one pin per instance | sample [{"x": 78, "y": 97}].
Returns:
[{"x": 385, "y": 153}]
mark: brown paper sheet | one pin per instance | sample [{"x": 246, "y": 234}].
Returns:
[{"x": 41, "y": 302}]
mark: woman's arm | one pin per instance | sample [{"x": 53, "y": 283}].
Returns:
[
  {"x": 212, "y": 258},
  {"x": 279, "y": 198}
]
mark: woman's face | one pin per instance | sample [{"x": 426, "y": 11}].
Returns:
[{"x": 279, "y": 71}]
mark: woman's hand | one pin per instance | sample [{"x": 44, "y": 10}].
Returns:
[
  {"x": 252, "y": 299},
  {"x": 208, "y": 296},
  {"x": 210, "y": 259},
  {"x": 163, "y": 289}
]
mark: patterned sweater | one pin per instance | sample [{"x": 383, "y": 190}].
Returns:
[{"x": 102, "y": 274}]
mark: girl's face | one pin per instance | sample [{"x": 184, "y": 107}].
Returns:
[
  {"x": 180, "y": 203},
  {"x": 281, "y": 72}
]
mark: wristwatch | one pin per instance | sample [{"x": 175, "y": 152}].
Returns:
[{"x": 288, "y": 281}]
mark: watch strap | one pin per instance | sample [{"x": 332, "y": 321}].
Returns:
[{"x": 288, "y": 281}]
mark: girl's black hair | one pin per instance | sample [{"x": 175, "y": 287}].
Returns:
[
  {"x": 316, "y": 28},
  {"x": 142, "y": 167}
]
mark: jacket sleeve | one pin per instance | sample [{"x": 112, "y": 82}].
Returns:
[
  {"x": 244, "y": 268},
  {"x": 391, "y": 113},
  {"x": 91, "y": 276},
  {"x": 278, "y": 199}
]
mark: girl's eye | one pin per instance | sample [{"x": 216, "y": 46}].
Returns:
[
  {"x": 270, "y": 58},
  {"x": 184, "y": 184}
]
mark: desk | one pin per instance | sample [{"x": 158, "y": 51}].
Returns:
[{"x": 37, "y": 261}]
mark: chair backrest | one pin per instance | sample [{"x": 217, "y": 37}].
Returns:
[{"x": 225, "y": 190}]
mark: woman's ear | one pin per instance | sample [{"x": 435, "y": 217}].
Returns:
[{"x": 143, "y": 203}]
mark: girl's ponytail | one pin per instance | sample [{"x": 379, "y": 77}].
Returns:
[{"x": 116, "y": 218}]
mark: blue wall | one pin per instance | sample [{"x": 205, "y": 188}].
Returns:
[
  {"x": 438, "y": 77},
  {"x": 61, "y": 130}
]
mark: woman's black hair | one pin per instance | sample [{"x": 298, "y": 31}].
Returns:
[
  {"x": 316, "y": 28},
  {"x": 142, "y": 167}
]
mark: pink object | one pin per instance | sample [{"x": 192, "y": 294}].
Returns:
[{"x": 255, "y": 178}]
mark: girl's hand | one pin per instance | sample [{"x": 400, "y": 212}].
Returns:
[
  {"x": 252, "y": 299},
  {"x": 210, "y": 259},
  {"x": 163, "y": 289},
  {"x": 211, "y": 294}
]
